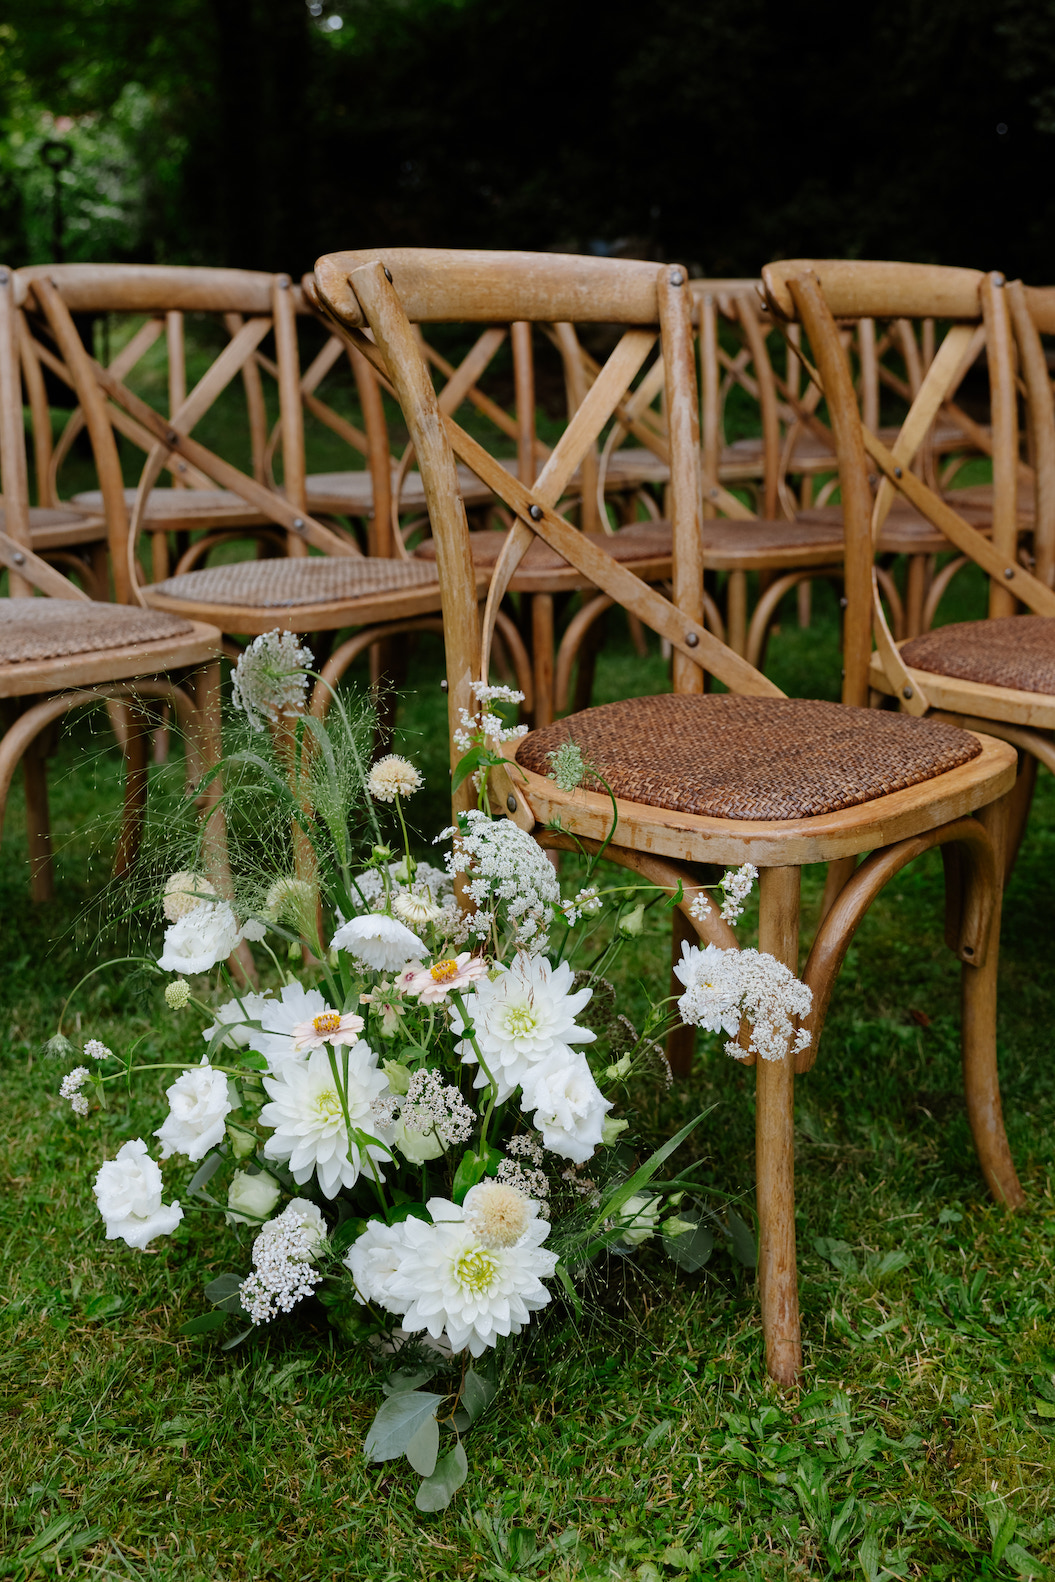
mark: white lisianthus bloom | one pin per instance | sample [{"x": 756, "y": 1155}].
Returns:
[
  {"x": 521, "y": 1016},
  {"x": 393, "y": 776},
  {"x": 199, "y": 1104},
  {"x": 569, "y": 1106},
  {"x": 374, "y": 1257},
  {"x": 378, "y": 941},
  {"x": 199, "y": 939},
  {"x": 128, "y": 1191},
  {"x": 250, "y": 1199},
  {"x": 237, "y": 1015},
  {"x": 456, "y": 1286},
  {"x": 309, "y": 1130},
  {"x": 639, "y": 1218},
  {"x": 183, "y": 892}
]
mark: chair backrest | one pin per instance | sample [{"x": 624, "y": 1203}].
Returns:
[
  {"x": 977, "y": 308},
  {"x": 26, "y": 573},
  {"x": 383, "y": 290},
  {"x": 252, "y": 306}
]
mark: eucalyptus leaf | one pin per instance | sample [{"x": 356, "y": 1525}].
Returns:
[
  {"x": 692, "y": 1250},
  {"x": 203, "y": 1323},
  {"x": 744, "y": 1249},
  {"x": 398, "y": 1420},
  {"x": 224, "y": 1286},
  {"x": 205, "y": 1172},
  {"x": 436, "y": 1492},
  {"x": 477, "y": 1394},
  {"x": 425, "y": 1447},
  {"x": 405, "y": 1379}
]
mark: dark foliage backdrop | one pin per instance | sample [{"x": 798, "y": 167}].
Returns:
[{"x": 721, "y": 132}]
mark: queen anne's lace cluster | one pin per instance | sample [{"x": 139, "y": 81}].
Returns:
[
  {"x": 283, "y": 1273},
  {"x": 587, "y": 900},
  {"x": 533, "y": 1183},
  {"x": 71, "y": 1089},
  {"x": 269, "y": 679},
  {"x": 483, "y": 722},
  {"x": 432, "y": 1106},
  {"x": 507, "y": 870},
  {"x": 95, "y": 1049},
  {"x": 722, "y": 987},
  {"x": 735, "y": 888}
]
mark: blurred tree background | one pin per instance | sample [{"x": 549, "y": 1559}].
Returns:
[{"x": 718, "y": 132}]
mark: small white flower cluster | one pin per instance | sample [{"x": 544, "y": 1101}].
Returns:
[
  {"x": 533, "y": 1183},
  {"x": 71, "y": 1089},
  {"x": 470, "y": 1275},
  {"x": 723, "y": 987},
  {"x": 392, "y": 777},
  {"x": 735, "y": 888},
  {"x": 587, "y": 900},
  {"x": 283, "y": 1253},
  {"x": 95, "y": 1049},
  {"x": 700, "y": 906},
  {"x": 568, "y": 766},
  {"x": 269, "y": 679},
  {"x": 483, "y": 722},
  {"x": 505, "y": 868},
  {"x": 177, "y": 994},
  {"x": 432, "y": 1106}
]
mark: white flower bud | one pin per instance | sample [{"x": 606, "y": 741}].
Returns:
[{"x": 251, "y": 1198}]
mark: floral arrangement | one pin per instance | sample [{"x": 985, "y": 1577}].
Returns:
[{"x": 419, "y": 1123}]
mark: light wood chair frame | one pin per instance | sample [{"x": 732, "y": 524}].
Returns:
[{"x": 962, "y": 810}]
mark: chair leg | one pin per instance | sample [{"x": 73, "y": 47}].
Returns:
[
  {"x": 542, "y": 656},
  {"x": 778, "y": 929},
  {"x": 214, "y": 839},
  {"x": 840, "y": 872},
  {"x": 135, "y": 746},
  {"x": 38, "y": 824},
  {"x": 980, "y": 1076},
  {"x": 1020, "y": 800},
  {"x": 681, "y": 1040}
]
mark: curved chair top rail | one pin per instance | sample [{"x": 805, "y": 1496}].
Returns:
[
  {"x": 855, "y": 289},
  {"x": 155, "y": 288},
  {"x": 442, "y": 286},
  {"x": 1041, "y": 303}
]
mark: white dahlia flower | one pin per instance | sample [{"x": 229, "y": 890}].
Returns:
[
  {"x": 569, "y": 1106},
  {"x": 199, "y": 1104},
  {"x": 374, "y": 1257},
  {"x": 128, "y": 1191},
  {"x": 520, "y": 1017},
  {"x": 309, "y": 1131},
  {"x": 199, "y": 939},
  {"x": 237, "y": 1015},
  {"x": 378, "y": 941},
  {"x": 454, "y": 1285},
  {"x": 276, "y": 1037}
]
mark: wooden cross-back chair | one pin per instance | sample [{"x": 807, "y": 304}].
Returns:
[
  {"x": 64, "y": 651},
  {"x": 300, "y": 591},
  {"x": 996, "y": 674},
  {"x": 744, "y": 776},
  {"x": 153, "y": 301}
]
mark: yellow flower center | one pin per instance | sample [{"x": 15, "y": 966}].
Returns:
[
  {"x": 444, "y": 971},
  {"x": 475, "y": 1270},
  {"x": 328, "y": 1022},
  {"x": 328, "y": 1104},
  {"x": 520, "y": 1019}
]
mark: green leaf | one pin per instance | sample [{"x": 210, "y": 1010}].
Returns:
[
  {"x": 203, "y": 1323},
  {"x": 205, "y": 1171},
  {"x": 611, "y": 1206},
  {"x": 1002, "y": 1525},
  {"x": 744, "y": 1249},
  {"x": 398, "y": 1420},
  {"x": 477, "y": 1394},
  {"x": 437, "y": 1491},
  {"x": 405, "y": 1379},
  {"x": 1023, "y": 1562},
  {"x": 692, "y": 1250},
  {"x": 404, "y": 1211},
  {"x": 471, "y": 1170},
  {"x": 110, "y": 1306},
  {"x": 224, "y": 1286},
  {"x": 467, "y": 765},
  {"x": 1043, "y": 1408},
  {"x": 424, "y": 1447}
]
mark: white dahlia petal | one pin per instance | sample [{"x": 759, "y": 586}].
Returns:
[{"x": 309, "y": 1130}]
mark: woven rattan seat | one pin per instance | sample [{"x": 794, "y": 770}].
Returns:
[
  {"x": 34, "y": 629},
  {"x": 181, "y": 506},
  {"x": 1017, "y": 652},
  {"x": 730, "y": 545},
  {"x": 639, "y": 541},
  {"x": 59, "y": 528},
  {"x": 906, "y": 531},
  {"x": 352, "y": 493},
  {"x": 282, "y": 584},
  {"x": 751, "y": 758}
]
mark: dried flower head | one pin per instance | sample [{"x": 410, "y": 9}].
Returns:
[
  {"x": 270, "y": 679},
  {"x": 498, "y": 1213},
  {"x": 415, "y": 910},
  {"x": 182, "y": 893},
  {"x": 393, "y": 777}
]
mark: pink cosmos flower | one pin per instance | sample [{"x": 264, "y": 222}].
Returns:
[
  {"x": 329, "y": 1027},
  {"x": 434, "y": 983}
]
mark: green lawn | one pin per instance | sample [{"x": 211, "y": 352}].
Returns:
[{"x": 640, "y": 1441}]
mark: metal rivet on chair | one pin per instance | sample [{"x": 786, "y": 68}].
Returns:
[
  {"x": 691, "y": 640},
  {"x": 897, "y": 472},
  {"x": 1009, "y": 572},
  {"x": 18, "y": 558},
  {"x": 998, "y": 280},
  {"x": 843, "y": 602},
  {"x": 443, "y": 685},
  {"x": 968, "y": 950},
  {"x": 171, "y": 437},
  {"x": 535, "y": 513},
  {"x": 298, "y": 524},
  {"x": 511, "y": 803},
  {"x": 906, "y": 692},
  {"x": 4, "y": 277},
  {"x": 677, "y": 278}
]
